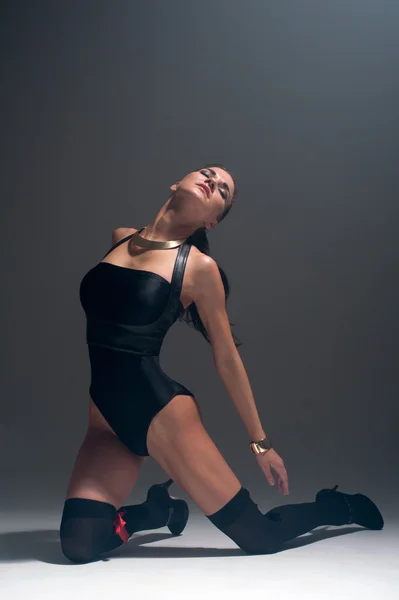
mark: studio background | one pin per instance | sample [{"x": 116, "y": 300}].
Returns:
[{"x": 104, "y": 106}]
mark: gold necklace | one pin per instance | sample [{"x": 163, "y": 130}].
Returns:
[{"x": 153, "y": 244}]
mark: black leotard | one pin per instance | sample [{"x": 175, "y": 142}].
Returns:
[{"x": 129, "y": 312}]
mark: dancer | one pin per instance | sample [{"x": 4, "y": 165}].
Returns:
[{"x": 151, "y": 277}]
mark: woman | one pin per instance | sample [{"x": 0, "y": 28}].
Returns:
[{"x": 148, "y": 279}]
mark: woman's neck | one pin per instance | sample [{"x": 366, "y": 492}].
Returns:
[{"x": 166, "y": 227}]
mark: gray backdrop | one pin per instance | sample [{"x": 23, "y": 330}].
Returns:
[{"x": 104, "y": 105}]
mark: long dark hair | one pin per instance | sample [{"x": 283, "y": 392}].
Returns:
[{"x": 199, "y": 239}]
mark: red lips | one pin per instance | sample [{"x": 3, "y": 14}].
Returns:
[{"x": 206, "y": 188}]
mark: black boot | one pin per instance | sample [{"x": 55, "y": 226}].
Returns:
[
  {"x": 159, "y": 510},
  {"x": 177, "y": 517},
  {"x": 350, "y": 508}
]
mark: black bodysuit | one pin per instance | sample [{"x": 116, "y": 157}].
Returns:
[{"x": 129, "y": 312}]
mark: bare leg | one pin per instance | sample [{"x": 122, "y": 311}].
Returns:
[
  {"x": 103, "y": 476},
  {"x": 180, "y": 444},
  {"x": 104, "y": 468}
]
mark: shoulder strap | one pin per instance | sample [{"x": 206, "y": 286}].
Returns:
[
  {"x": 118, "y": 243},
  {"x": 178, "y": 270}
]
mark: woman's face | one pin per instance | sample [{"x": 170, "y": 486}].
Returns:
[{"x": 212, "y": 188}]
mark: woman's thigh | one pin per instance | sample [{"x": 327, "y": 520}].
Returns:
[
  {"x": 104, "y": 469},
  {"x": 179, "y": 443}
]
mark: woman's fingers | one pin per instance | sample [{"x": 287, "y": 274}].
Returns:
[
  {"x": 271, "y": 460},
  {"x": 282, "y": 480},
  {"x": 265, "y": 466}
]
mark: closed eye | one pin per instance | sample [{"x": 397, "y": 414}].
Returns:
[{"x": 223, "y": 191}]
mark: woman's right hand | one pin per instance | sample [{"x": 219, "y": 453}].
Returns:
[{"x": 271, "y": 460}]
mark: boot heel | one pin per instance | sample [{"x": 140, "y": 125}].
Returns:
[
  {"x": 158, "y": 495},
  {"x": 179, "y": 516}
]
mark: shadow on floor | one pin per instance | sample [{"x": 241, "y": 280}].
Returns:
[{"x": 44, "y": 546}]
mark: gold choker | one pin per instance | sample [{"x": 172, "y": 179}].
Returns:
[{"x": 153, "y": 244}]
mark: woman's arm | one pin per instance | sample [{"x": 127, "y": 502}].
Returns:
[
  {"x": 208, "y": 294},
  {"x": 235, "y": 379}
]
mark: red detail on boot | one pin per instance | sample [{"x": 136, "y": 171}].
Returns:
[{"x": 120, "y": 528}]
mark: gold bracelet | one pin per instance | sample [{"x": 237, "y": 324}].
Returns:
[{"x": 262, "y": 446}]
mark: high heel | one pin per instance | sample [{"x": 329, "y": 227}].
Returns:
[
  {"x": 361, "y": 510},
  {"x": 158, "y": 495}
]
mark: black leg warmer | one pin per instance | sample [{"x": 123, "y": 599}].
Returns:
[
  {"x": 90, "y": 527},
  {"x": 257, "y": 533},
  {"x": 87, "y": 529}
]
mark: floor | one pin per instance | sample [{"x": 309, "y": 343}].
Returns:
[{"x": 331, "y": 562}]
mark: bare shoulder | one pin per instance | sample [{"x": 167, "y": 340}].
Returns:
[
  {"x": 204, "y": 274},
  {"x": 208, "y": 293},
  {"x": 120, "y": 232},
  {"x": 202, "y": 263}
]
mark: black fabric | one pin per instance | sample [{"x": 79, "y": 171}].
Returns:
[
  {"x": 148, "y": 515},
  {"x": 88, "y": 527},
  {"x": 129, "y": 391},
  {"x": 128, "y": 313},
  {"x": 136, "y": 297},
  {"x": 257, "y": 533}
]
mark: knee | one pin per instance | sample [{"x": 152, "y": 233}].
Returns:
[
  {"x": 78, "y": 540},
  {"x": 85, "y": 527},
  {"x": 241, "y": 520},
  {"x": 77, "y": 549}
]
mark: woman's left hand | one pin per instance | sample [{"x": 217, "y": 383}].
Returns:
[{"x": 271, "y": 459}]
